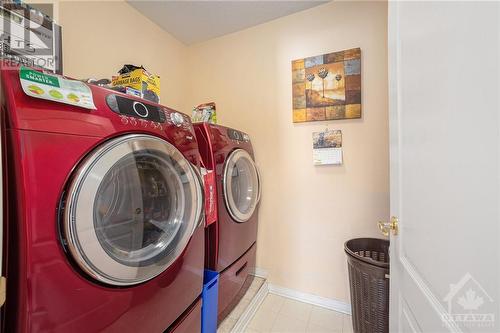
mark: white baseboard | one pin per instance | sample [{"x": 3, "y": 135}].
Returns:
[
  {"x": 260, "y": 272},
  {"x": 251, "y": 309},
  {"x": 327, "y": 303}
]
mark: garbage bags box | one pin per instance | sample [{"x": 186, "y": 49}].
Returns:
[{"x": 138, "y": 82}]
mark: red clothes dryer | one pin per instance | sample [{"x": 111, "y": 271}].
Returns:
[
  {"x": 230, "y": 240},
  {"x": 104, "y": 215}
]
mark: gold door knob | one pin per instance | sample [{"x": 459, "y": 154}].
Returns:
[{"x": 386, "y": 227}]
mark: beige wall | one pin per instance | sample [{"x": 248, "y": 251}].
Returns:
[
  {"x": 100, "y": 36},
  {"x": 306, "y": 212}
]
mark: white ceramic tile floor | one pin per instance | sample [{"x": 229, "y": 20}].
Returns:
[
  {"x": 279, "y": 314},
  {"x": 283, "y": 315}
]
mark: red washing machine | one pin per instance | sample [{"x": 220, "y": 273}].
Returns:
[
  {"x": 235, "y": 187},
  {"x": 104, "y": 221}
]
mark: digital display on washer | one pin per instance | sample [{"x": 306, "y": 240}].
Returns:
[{"x": 133, "y": 108}]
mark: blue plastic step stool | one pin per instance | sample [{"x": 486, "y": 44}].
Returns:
[{"x": 210, "y": 296}]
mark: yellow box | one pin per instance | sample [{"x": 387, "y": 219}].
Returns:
[{"x": 145, "y": 84}]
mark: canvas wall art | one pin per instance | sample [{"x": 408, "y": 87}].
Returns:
[{"x": 327, "y": 87}]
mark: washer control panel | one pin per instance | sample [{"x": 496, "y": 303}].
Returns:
[
  {"x": 137, "y": 109},
  {"x": 237, "y": 135}
]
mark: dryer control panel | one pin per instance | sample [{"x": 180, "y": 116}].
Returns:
[{"x": 137, "y": 109}]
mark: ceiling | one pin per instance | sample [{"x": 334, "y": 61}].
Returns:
[{"x": 197, "y": 21}]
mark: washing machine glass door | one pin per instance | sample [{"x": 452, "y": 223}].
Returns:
[
  {"x": 241, "y": 185},
  {"x": 131, "y": 209}
]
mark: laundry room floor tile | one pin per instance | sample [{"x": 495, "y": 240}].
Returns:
[
  {"x": 263, "y": 321},
  {"x": 278, "y": 314},
  {"x": 347, "y": 328},
  {"x": 327, "y": 318},
  {"x": 296, "y": 309},
  {"x": 287, "y": 323},
  {"x": 313, "y": 328},
  {"x": 272, "y": 303}
]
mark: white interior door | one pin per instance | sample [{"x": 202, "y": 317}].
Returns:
[{"x": 444, "y": 121}]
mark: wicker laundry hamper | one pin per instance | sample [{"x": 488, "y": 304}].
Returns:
[{"x": 368, "y": 262}]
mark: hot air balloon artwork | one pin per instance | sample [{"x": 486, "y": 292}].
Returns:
[{"x": 327, "y": 87}]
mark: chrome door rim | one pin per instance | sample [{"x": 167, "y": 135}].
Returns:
[
  {"x": 81, "y": 236},
  {"x": 235, "y": 213}
]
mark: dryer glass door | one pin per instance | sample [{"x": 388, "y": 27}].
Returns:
[
  {"x": 131, "y": 209},
  {"x": 241, "y": 185}
]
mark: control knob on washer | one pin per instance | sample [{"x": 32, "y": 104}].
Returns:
[
  {"x": 177, "y": 119},
  {"x": 140, "y": 109}
]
